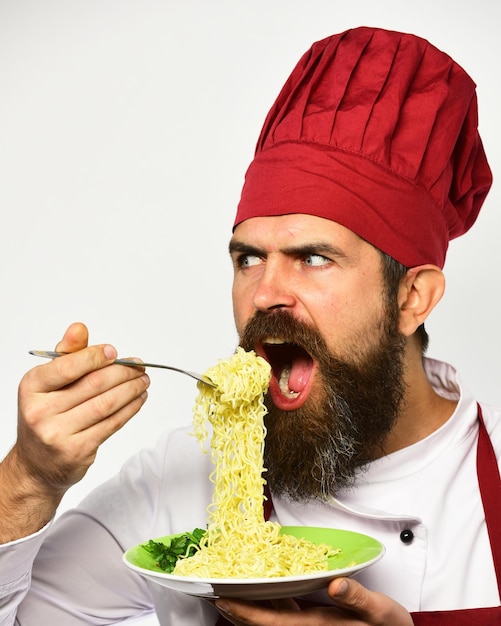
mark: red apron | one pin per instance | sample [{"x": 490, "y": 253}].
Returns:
[
  {"x": 489, "y": 482},
  {"x": 490, "y": 490}
]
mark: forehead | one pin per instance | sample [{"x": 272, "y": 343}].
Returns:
[{"x": 279, "y": 231}]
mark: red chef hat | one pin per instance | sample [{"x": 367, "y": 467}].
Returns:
[{"x": 376, "y": 130}]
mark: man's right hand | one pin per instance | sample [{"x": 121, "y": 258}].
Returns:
[{"x": 67, "y": 408}]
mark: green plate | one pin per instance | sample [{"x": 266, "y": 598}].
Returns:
[{"x": 357, "y": 551}]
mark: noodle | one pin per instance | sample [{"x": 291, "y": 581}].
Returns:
[{"x": 238, "y": 542}]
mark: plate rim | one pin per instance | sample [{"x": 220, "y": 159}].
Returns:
[{"x": 334, "y": 573}]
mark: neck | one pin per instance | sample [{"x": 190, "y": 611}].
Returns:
[{"x": 423, "y": 410}]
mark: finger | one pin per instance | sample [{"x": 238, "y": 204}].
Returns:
[
  {"x": 108, "y": 427},
  {"x": 67, "y": 369},
  {"x": 248, "y": 614},
  {"x": 349, "y": 594},
  {"x": 91, "y": 404},
  {"x": 75, "y": 338},
  {"x": 97, "y": 384},
  {"x": 83, "y": 445},
  {"x": 285, "y": 604}
]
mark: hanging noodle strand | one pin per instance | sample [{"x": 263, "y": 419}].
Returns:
[{"x": 239, "y": 543}]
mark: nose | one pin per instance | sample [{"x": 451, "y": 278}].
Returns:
[{"x": 274, "y": 288}]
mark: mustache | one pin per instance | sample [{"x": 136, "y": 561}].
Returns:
[{"x": 281, "y": 324}]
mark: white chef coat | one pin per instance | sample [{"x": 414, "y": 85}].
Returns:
[{"x": 429, "y": 488}]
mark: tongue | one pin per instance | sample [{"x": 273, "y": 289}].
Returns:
[{"x": 300, "y": 374}]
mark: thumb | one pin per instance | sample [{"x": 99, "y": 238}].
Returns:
[
  {"x": 347, "y": 593},
  {"x": 373, "y": 607},
  {"x": 75, "y": 338}
]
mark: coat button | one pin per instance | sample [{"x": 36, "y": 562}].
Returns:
[{"x": 406, "y": 536}]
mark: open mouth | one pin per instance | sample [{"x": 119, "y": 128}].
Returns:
[{"x": 291, "y": 367}]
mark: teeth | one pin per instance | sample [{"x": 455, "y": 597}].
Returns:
[
  {"x": 283, "y": 383},
  {"x": 273, "y": 340}
]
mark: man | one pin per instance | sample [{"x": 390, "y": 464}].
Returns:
[{"x": 369, "y": 162}]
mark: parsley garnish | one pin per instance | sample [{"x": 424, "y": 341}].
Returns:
[{"x": 182, "y": 546}]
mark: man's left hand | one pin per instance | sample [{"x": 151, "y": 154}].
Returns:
[{"x": 354, "y": 606}]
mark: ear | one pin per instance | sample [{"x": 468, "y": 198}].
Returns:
[{"x": 420, "y": 290}]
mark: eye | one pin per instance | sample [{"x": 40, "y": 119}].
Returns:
[
  {"x": 248, "y": 260},
  {"x": 316, "y": 260}
]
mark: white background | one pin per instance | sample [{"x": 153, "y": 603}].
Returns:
[{"x": 126, "y": 127}]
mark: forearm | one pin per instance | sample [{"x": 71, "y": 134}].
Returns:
[{"x": 25, "y": 505}]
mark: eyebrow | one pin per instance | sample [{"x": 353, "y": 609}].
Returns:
[
  {"x": 313, "y": 247},
  {"x": 239, "y": 246}
]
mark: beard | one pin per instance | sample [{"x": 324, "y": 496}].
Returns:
[{"x": 321, "y": 448}]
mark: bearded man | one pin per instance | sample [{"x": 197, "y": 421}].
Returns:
[{"x": 368, "y": 164}]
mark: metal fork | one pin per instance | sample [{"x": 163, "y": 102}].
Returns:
[{"x": 49, "y": 354}]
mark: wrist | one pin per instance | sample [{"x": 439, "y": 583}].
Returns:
[{"x": 27, "y": 504}]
